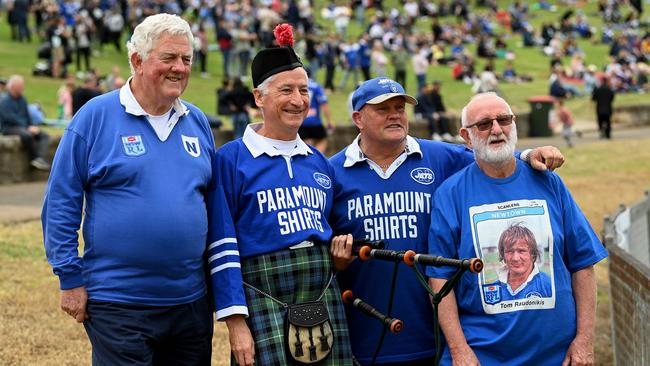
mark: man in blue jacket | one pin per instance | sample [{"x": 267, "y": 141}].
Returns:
[{"x": 15, "y": 120}]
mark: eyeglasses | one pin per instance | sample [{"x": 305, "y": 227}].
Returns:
[{"x": 486, "y": 123}]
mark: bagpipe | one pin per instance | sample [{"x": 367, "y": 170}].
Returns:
[{"x": 375, "y": 250}]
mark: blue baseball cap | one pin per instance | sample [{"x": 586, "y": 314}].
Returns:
[{"x": 378, "y": 90}]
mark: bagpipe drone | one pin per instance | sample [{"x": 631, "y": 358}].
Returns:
[{"x": 375, "y": 250}]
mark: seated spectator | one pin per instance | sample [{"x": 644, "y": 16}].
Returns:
[
  {"x": 111, "y": 79},
  {"x": 589, "y": 79},
  {"x": 557, "y": 88},
  {"x": 487, "y": 81},
  {"x": 15, "y": 120},
  {"x": 3, "y": 88},
  {"x": 485, "y": 48},
  {"x": 509, "y": 74}
]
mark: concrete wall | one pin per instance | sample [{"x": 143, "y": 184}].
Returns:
[
  {"x": 14, "y": 163},
  {"x": 629, "y": 282}
]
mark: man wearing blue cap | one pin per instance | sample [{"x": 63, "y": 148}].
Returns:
[{"x": 384, "y": 184}]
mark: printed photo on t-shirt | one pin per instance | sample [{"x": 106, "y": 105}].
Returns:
[{"x": 515, "y": 241}]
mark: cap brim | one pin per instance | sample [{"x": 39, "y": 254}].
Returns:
[{"x": 384, "y": 97}]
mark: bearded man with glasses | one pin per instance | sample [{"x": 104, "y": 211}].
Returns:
[{"x": 510, "y": 314}]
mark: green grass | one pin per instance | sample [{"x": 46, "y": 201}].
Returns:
[{"x": 20, "y": 58}]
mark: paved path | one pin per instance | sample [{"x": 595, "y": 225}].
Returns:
[{"x": 22, "y": 202}]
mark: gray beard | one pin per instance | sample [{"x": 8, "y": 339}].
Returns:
[{"x": 483, "y": 152}]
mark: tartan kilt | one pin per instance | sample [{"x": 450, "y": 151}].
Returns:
[{"x": 292, "y": 276}]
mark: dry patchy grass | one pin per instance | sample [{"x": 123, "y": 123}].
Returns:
[{"x": 33, "y": 331}]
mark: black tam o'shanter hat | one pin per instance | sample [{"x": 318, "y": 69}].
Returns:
[{"x": 271, "y": 61}]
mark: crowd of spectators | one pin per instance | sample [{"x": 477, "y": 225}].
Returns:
[{"x": 460, "y": 33}]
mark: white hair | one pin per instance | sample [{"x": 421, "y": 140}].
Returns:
[
  {"x": 13, "y": 79},
  {"x": 151, "y": 29},
  {"x": 264, "y": 85},
  {"x": 475, "y": 98}
]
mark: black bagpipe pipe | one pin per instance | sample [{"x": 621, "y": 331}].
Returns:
[
  {"x": 393, "y": 325},
  {"x": 357, "y": 244},
  {"x": 367, "y": 252}
]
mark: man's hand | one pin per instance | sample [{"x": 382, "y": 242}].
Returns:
[
  {"x": 341, "y": 250},
  {"x": 241, "y": 340},
  {"x": 73, "y": 302},
  {"x": 34, "y": 130},
  {"x": 580, "y": 353},
  {"x": 464, "y": 357},
  {"x": 546, "y": 158}
]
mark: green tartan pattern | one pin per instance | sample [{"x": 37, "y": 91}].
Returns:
[{"x": 292, "y": 276}]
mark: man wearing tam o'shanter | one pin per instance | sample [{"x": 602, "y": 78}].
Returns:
[{"x": 268, "y": 243}]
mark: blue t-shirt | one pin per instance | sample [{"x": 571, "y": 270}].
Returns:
[
  {"x": 364, "y": 54},
  {"x": 395, "y": 209},
  {"x": 317, "y": 98},
  {"x": 471, "y": 211},
  {"x": 145, "y": 224},
  {"x": 351, "y": 54}
]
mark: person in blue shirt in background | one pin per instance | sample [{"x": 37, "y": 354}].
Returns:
[
  {"x": 482, "y": 324},
  {"x": 312, "y": 131},
  {"x": 140, "y": 159}
]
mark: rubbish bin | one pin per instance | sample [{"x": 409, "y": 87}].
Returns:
[{"x": 540, "y": 110}]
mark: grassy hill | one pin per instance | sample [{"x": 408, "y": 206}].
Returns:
[{"x": 20, "y": 58}]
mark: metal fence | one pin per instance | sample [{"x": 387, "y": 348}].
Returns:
[
  {"x": 629, "y": 229},
  {"x": 626, "y": 234}
]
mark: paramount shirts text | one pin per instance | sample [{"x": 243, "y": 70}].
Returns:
[
  {"x": 301, "y": 207},
  {"x": 390, "y": 215}
]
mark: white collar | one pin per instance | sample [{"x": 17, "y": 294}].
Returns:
[
  {"x": 353, "y": 153},
  {"x": 502, "y": 274},
  {"x": 131, "y": 105},
  {"x": 257, "y": 145}
]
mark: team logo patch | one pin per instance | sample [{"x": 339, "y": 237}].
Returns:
[
  {"x": 191, "y": 145},
  {"x": 323, "y": 180},
  {"x": 423, "y": 175},
  {"x": 492, "y": 294},
  {"x": 133, "y": 145}
]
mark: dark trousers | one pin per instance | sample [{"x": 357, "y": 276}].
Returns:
[
  {"x": 400, "y": 77},
  {"x": 439, "y": 125},
  {"x": 36, "y": 145},
  {"x": 605, "y": 125},
  {"x": 366, "y": 72},
  {"x": 123, "y": 334},
  {"x": 329, "y": 76},
  {"x": 85, "y": 53}
]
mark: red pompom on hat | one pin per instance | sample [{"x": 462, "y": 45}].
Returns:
[
  {"x": 284, "y": 35},
  {"x": 271, "y": 61}
]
